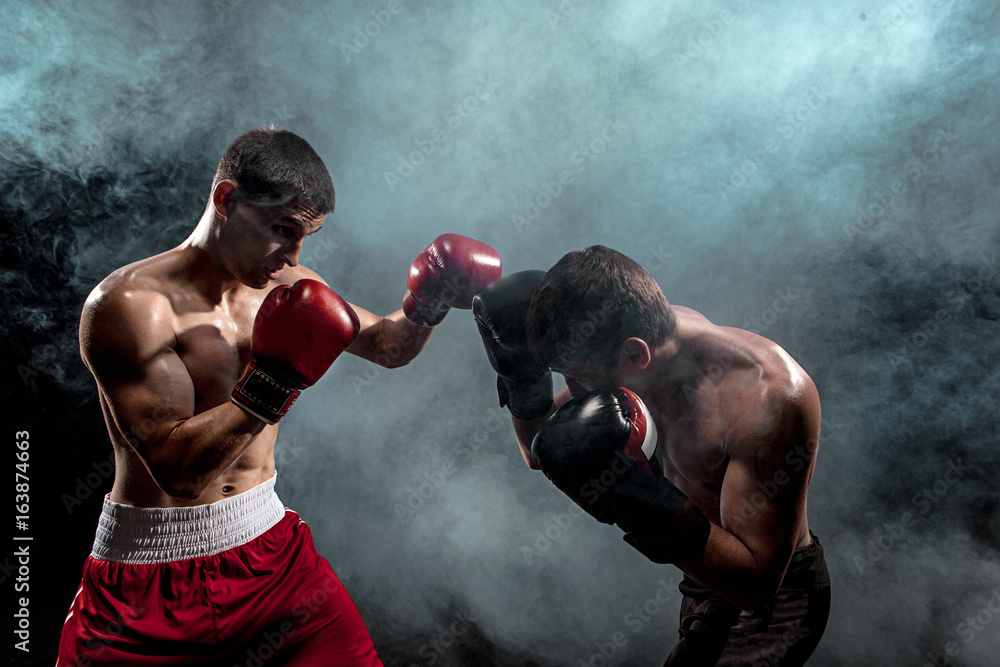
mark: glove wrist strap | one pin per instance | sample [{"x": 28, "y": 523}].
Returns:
[
  {"x": 263, "y": 395},
  {"x": 421, "y": 313}
]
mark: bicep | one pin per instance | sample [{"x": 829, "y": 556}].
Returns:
[
  {"x": 147, "y": 387},
  {"x": 763, "y": 500},
  {"x": 759, "y": 513},
  {"x": 368, "y": 343}
]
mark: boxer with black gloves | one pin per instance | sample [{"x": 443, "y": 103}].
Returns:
[
  {"x": 600, "y": 449},
  {"x": 198, "y": 353},
  {"x": 698, "y": 441}
]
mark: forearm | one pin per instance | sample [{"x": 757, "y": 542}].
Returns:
[
  {"x": 526, "y": 430},
  {"x": 400, "y": 340},
  {"x": 732, "y": 571},
  {"x": 198, "y": 449},
  {"x": 391, "y": 341}
]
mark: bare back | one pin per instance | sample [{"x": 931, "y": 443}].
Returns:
[{"x": 740, "y": 438}]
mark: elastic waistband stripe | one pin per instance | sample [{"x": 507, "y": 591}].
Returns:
[{"x": 147, "y": 535}]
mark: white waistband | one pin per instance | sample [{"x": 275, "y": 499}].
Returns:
[{"x": 146, "y": 535}]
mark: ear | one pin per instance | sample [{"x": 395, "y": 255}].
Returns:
[
  {"x": 635, "y": 355},
  {"x": 223, "y": 196}
]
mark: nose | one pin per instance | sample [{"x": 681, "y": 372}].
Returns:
[{"x": 290, "y": 255}]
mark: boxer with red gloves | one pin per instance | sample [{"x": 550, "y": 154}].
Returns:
[
  {"x": 448, "y": 274},
  {"x": 198, "y": 353},
  {"x": 697, "y": 441}
]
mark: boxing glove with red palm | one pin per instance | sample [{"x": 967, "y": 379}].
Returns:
[
  {"x": 447, "y": 274},
  {"x": 298, "y": 333}
]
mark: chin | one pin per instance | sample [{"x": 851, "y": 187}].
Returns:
[{"x": 258, "y": 283}]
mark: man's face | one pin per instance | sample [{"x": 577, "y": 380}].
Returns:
[
  {"x": 584, "y": 376},
  {"x": 261, "y": 241}
]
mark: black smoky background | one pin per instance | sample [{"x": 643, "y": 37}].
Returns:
[{"x": 824, "y": 175}]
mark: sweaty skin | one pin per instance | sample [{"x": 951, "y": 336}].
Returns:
[
  {"x": 167, "y": 337},
  {"x": 738, "y": 421}
]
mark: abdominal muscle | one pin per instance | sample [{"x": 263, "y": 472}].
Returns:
[{"x": 134, "y": 485}]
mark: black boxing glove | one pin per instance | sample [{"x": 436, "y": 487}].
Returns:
[
  {"x": 600, "y": 450},
  {"x": 524, "y": 385}
]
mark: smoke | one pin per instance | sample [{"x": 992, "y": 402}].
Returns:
[{"x": 823, "y": 174}]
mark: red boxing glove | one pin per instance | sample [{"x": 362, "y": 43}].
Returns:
[
  {"x": 298, "y": 333},
  {"x": 447, "y": 274}
]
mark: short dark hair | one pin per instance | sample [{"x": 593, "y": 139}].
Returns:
[
  {"x": 272, "y": 166},
  {"x": 589, "y": 303}
]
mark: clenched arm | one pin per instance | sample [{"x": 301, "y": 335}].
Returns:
[
  {"x": 525, "y": 430},
  {"x": 763, "y": 505},
  {"x": 128, "y": 343},
  {"x": 391, "y": 341}
]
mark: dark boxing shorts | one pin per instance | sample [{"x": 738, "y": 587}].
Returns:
[
  {"x": 237, "y": 582},
  {"x": 785, "y": 632}
]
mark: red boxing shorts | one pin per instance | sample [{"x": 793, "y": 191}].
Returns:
[{"x": 237, "y": 582}]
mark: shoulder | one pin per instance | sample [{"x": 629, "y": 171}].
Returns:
[
  {"x": 788, "y": 406},
  {"x": 126, "y": 311},
  {"x": 133, "y": 290},
  {"x": 764, "y": 396}
]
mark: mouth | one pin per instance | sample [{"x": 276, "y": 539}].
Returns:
[{"x": 272, "y": 274}]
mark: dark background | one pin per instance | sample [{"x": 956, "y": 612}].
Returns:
[{"x": 826, "y": 175}]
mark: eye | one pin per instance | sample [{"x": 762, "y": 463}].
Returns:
[{"x": 284, "y": 231}]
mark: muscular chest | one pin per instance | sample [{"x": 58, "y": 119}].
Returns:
[
  {"x": 693, "y": 450},
  {"x": 214, "y": 347}
]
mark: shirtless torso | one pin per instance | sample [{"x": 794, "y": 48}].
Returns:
[
  {"x": 167, "y": 337},
  {"x": 738, "y": 422}
]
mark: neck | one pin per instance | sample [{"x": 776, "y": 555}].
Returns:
[
  {"x": 671, "y": 368},
  {"x": 207, "y": 272}
]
